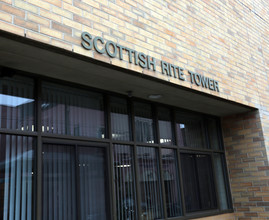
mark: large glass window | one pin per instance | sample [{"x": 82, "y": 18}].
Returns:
[
  {"x": 143, "y": 123},
  {"x": 17, "y": 103},
  {"x": 213, "y": 134},
  {"x": 198, "y": 182},
  {"x": 120, "y": 125},
  {"x": 16, "y": 177},
  {"x": 92, "y": 193},
  {"x": 190, "y": 130},
  {"x": 59, "y": 182},
  {"x": 157, "y": 162},
  {"x": 151, "y": 200},
  {"x": 165, "y": 126},
  {"x": 124, "y": 178},
  {"x": 70, "y": 111},
  {"x": 74, "y": 183},
  {"x": 222, "y": 187},
  {"x": 171, "y": 182}
]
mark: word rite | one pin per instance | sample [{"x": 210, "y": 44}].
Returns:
[{"x": 115, "y": 50}]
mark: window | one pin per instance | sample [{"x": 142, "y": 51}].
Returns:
[
  {"x": 16, "y": 177},
  {"x": 171, "y": 182},
  {"x": 90, "y": 155},
  {"x": 17, "y": 103},
  {"x": 150, "y": 185},
  {"x": 120, "y": 123},
  {"x": 73, "y": 182},
  {"x": 143, "y": 123},
  {"x": 198, "y": 183},
  {"x": 165, "y": 126},
  {"x": 124, "y": 178},
  {"x": 72, "y": 111}
]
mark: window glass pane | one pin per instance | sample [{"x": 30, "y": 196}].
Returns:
[
  {"x": 190, "y": 182},
  {"x": 59, "y": 182},
  {"x": 119, "y": 119},
  {"x": 16, "y": 177},
  {"x": 206, "y": 182},
  {"x": 92, "y": 183},
  {"x": 171, "y": 182},
  {"x": 221, "y": 183},
  {"x": 165, "y": 126},
  {"x": 213, "y": 134},
  {"x": 124, "y": 179},
  {"x": 143, "y": 123},
  {"x": 17, "y": 103},
  {"x": 190, "y": 131},
  {"x": 198, "y": 183},
  {"x": 148, "y": 165},
  {"x": 72, "y": 111}
]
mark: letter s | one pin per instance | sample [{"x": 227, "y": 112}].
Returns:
[{"x": 86, "y": 43}]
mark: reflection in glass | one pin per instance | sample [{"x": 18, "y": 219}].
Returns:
[
  {"x": 92, "y": 183},
  {"x": 171, "y": 182},
  {"x": 72, "y": 112},
  {"x": 199, "y": 189},
  {"x": 124, "y": 182},
  {"x": 66, "y": 182},
  {"x": 59, "y": 182},
  {"x": 16, "y": 177},
  {"x": 190, "y": 132},
  {"x": 17, "y": 103},
  {"x": 148, "y": 165},
  {"x": 119, "y": 119},
  {"x": 213, "y": 134},
  {"x": 165, "y": 126},
  {"x": 143, "y": 123},
  {"x": 221, "y": 184}
]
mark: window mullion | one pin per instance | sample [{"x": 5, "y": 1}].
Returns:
[
  {"x": 157, "y": 132},
  {"x": 137, "y": 176},
  {"x": 38, "y": 92},
  {"x": 110, "y": 174}
]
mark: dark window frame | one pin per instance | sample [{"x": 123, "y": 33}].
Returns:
[{"x": 40, "y": 136}]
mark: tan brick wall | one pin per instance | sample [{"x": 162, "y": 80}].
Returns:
[
  {"x": 248, "y": 165},
  {"x": 227, "y": 40}
]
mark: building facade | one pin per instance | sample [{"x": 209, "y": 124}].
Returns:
[{"x": 129, "y": 110}]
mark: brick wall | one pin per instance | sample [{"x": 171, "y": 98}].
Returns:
[
  {"x": 227, "y": 40},
  {"x": 248, "y": 165}
]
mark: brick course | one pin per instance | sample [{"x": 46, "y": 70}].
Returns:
[{"x": 247, "y": 164}]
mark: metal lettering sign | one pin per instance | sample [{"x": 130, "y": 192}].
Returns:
[{"x": 115, "y": 50}]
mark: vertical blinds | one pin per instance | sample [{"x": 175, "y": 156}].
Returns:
[
  {"x": 143, "y": 123},
  {"x": 59, "y": 182},
  {"x": 190, "y": 131},
  {"x": 91, "y": 163},
  {"x": 151, "y": 200},
  {"x": 124, "y": 183},
  {"x": 171, "y": 182},
  {"x": 73, "y": 183},
  {"x": 72, "y": 112},
  {"x": 16, "y": 175},
  {"x": 17, "y": 104},
  {"x": 165, "y": 126},
  {"x": 119, "y": 119}
]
